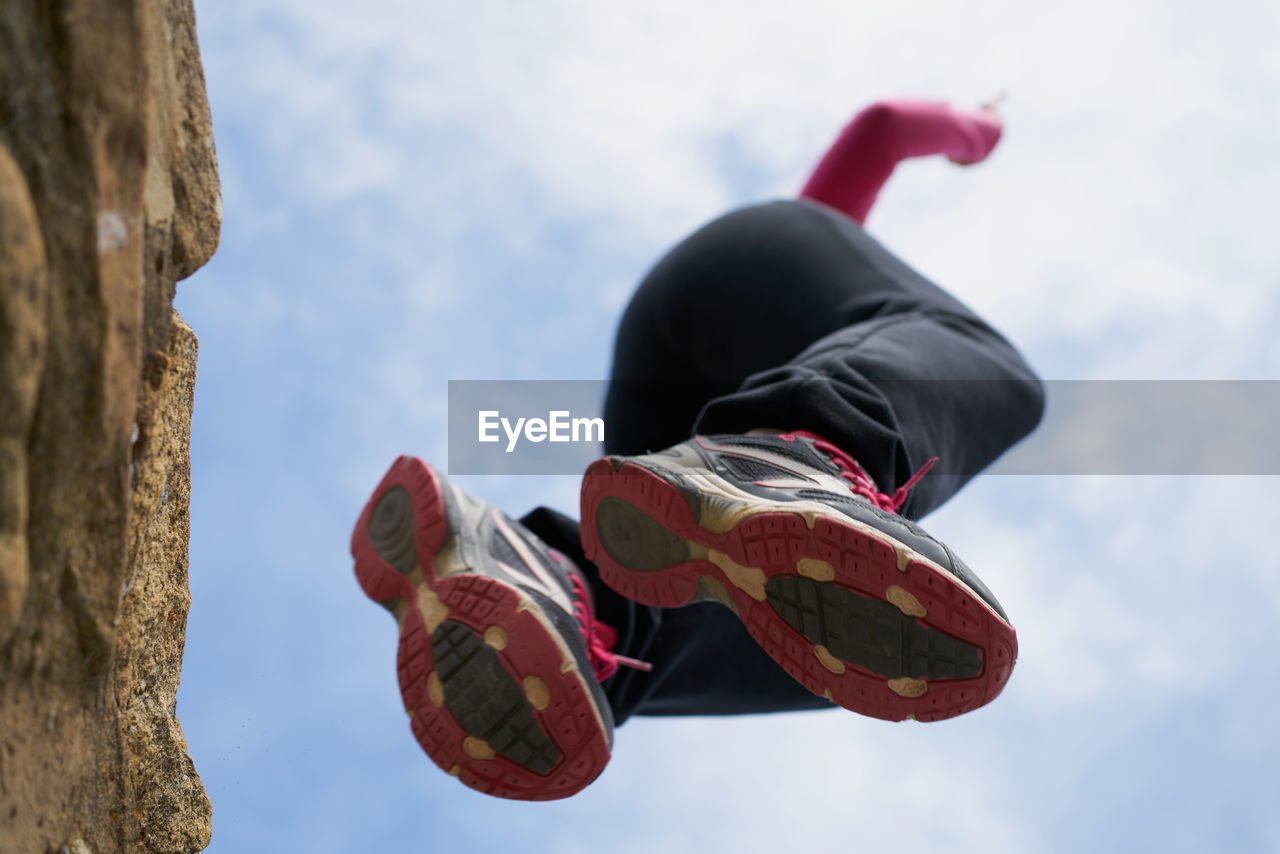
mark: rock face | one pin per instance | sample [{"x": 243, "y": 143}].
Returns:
[{"x": 108, "y": 196}]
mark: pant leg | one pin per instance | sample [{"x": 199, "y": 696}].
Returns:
[
  {"x": 788, "y": 315},
  {"x": 907, "y": 372}
]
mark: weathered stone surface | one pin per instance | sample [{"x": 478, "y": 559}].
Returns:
[
  {"x": 182, "y": 201},
  {"x": 22, "y": 339},
  {"x": 162, "y": 791},
  {"x": 192, "y": 164},
  {"x": 108, "y": 195}
]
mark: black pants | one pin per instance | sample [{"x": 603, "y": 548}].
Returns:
[{"x": 789, "y": 316}]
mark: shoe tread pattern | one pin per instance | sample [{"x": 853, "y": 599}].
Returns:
[
  {"x": 869, "y": 633},
  {"x": 965, "y": 650},
  {"x": 481, "y": 694}
]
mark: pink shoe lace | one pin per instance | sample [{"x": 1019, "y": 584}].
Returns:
[
  {"x": 861, "y": 482},
  {"x": 600, "y": 637}
]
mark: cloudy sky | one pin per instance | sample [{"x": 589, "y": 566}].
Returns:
[{"x": 418, "y": 192}]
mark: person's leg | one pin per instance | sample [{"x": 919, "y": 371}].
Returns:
[
  {"x": 705, "y": 318},
  {"x": 789, "y": 316}
]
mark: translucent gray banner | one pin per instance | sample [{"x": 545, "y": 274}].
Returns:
[
  {"x": 525, "y": 426},
  {"x": 1126, "y": 427},
  {"x": 1148, "y": 427}
]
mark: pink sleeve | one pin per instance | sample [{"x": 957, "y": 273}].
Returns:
[{"x": 857, "y": 165}]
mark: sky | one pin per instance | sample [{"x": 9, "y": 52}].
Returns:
[{"x": 421, "y": 192}]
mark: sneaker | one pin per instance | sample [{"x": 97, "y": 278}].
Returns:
[
  {"x": 499, "y": 658},
  {"x": 858, "y": 604}
]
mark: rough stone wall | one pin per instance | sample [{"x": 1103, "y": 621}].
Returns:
[{"x": 108, "y": 196}]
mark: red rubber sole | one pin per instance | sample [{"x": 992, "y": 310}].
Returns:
[
  {"x": 508, "y": 622},
  {"x": 771, "y": 544}
]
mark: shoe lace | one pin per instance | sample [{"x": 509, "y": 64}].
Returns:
[
  {"x": 600, "y": 637},
  {"x": 861, "y": 482}
]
